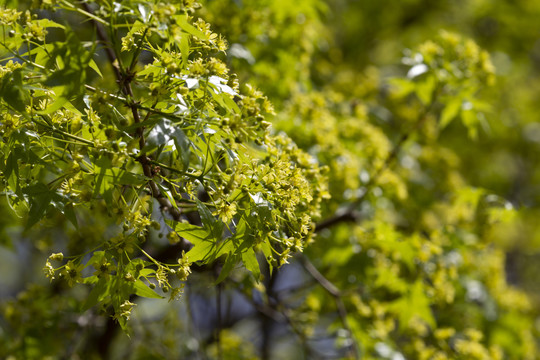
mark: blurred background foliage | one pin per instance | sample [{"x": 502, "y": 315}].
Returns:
[{"x": 429, "y": 247}]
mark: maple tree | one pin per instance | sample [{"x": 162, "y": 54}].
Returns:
[{"x": 232, "y": 152}]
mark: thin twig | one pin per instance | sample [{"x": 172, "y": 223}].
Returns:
[{"x": 336, "y": 293}]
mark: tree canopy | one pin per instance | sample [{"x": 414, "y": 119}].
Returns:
[{"x": 310, "y": 179}]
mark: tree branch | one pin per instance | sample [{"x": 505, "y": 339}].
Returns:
[
  {"x": 124, "y": 81},
  {"x": 336, "y": 293}
]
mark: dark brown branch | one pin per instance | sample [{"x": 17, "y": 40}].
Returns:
[
  {"x": 324, "y": 282},
  {"x": 124, "y": 81},
  {"x": 340, "y": 217}
]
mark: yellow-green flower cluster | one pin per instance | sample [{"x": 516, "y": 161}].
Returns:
[
  {"x": 9, "y": 16},
  {"x": 125, "y": 309},
  {"x": 104, "y": 267},
  {"x": 71, "y": 272},
  {"x": 453, "y": 56}
]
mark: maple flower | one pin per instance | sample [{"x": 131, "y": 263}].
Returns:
[{"x": 72, "y": 272}]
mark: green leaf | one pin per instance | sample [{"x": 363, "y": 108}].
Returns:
[
  {"x": 184, "y": 49},
  {"x": 122, "y": 177},
  {"x": 204, "y": 243},
  {"x": 210, "y": 221},
  {"x": 228, "y": 266},
  {"x": 168, "y": 194},
  {"x": 250, "y": 262},
  {"x": 201, "y": 251},
  {"x": 193, "y": 233},
  {"x": 414, "y": 304},
  {"x": 69, "y": 213},
  {"x": 183, "y": 147},
  {"x": 40, "y": 198},
  {"x": 190, "y": 29},
  {"x": 12, "y": 91},
  {"x": 146, "y": 272},
  {"x": 102, "y": 183},
  {"x": 143, "y": 290},
  {"x": 164, "y": 131},
  {"x": 150, "y": 70},
  {"x": 220, "y": 99},
  {"x": 386, "y": 278},
  {"x": 450, "y": 111},
  {"x": 421, "y": 304},
  {"x": 338, "y": 256},
  {"x": 99, "y": 292},
  {"x": 267, "y": 251},
  {"x": 46, "y": 23},
  {"x": 401, "y": 87},
  {"x": 207, "y": 218},
  {"x": 97, "y": 256},
  {"x": 205, "y": 149},
  {"x": 230, "y": 103},
  {"x": 43, "y": 53},
  {"x": 425, "y": 88},
  {"x": 11, "y": 164},
  {"x": 94, "y": 67},
  {"x": 469, "y": 118}
]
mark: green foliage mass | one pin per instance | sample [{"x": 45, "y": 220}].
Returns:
[
  {"x": 163, "y": 133},
  {"x": 151, "y": 149}
]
